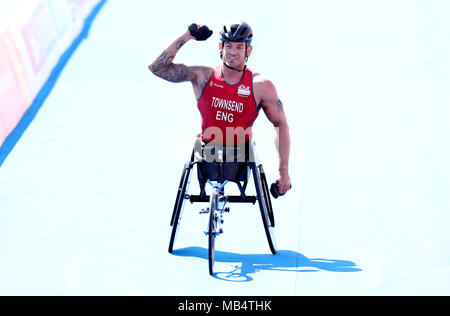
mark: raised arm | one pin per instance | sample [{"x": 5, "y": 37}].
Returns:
[
  {"x": 273, "y": 108},
  {"x": 164, "y": 67}
]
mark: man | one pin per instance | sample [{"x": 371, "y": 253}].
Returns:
[{"x": 230, "y": 95}]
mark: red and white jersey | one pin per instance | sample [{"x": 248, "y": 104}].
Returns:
[{"x": 228, "y": 111}]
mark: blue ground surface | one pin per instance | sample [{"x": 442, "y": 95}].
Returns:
[{"x": 86, "y": 195}]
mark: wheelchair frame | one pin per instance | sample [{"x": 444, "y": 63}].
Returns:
[{"x": 262, "y": 197}]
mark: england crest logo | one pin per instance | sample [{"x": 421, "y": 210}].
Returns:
[{"x": 243, "y": 91}]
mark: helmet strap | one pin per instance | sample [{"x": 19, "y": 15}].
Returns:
[{"x": 235, "y": 69}]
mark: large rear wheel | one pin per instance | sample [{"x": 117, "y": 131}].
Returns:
[
  {"x": 263, "y": 207},
  {"x": 179, "y": 205},
  {"x": 266, "y": 192}
]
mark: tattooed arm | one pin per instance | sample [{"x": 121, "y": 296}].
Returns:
[
  {"x": 164, "y": 67},
  {"x": 267, "y": 97}
]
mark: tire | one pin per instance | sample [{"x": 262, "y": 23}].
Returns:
[
  {"x": 263, "y": 207},
  {"x": 177, "y": 199},
  {"x": 212, "y": 229},
  {"x": 179, "y": 205},
  {"x": 266, "y": 192}
]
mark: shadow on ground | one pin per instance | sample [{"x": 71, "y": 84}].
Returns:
[{"x": 284, "y": 261}]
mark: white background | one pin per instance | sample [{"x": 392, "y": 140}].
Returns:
[{"x": 87, "y": 194}]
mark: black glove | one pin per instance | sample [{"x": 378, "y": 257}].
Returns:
[
  {"x": 274, "y": 190},
  {"x": 200, "y": 34}
]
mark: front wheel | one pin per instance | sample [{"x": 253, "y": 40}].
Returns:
[{"x": 212, "y": 232}]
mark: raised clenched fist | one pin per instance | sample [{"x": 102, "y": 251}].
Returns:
[{"x": 200, "y": 32}]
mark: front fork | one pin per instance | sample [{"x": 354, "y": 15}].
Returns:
[{"x": 221, "y": 209}]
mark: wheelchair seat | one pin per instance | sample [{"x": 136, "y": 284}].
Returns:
[
  {"x": 216, "y": 162},
  {"x": 220, "y": 163}
]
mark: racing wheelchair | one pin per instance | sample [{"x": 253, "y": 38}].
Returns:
[{"x": 217, "y": 166}]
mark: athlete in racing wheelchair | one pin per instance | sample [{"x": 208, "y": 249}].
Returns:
[{"x": 229, "y": 98}]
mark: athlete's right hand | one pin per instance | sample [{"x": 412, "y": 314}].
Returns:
[{"x": 200, "y": 32}]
